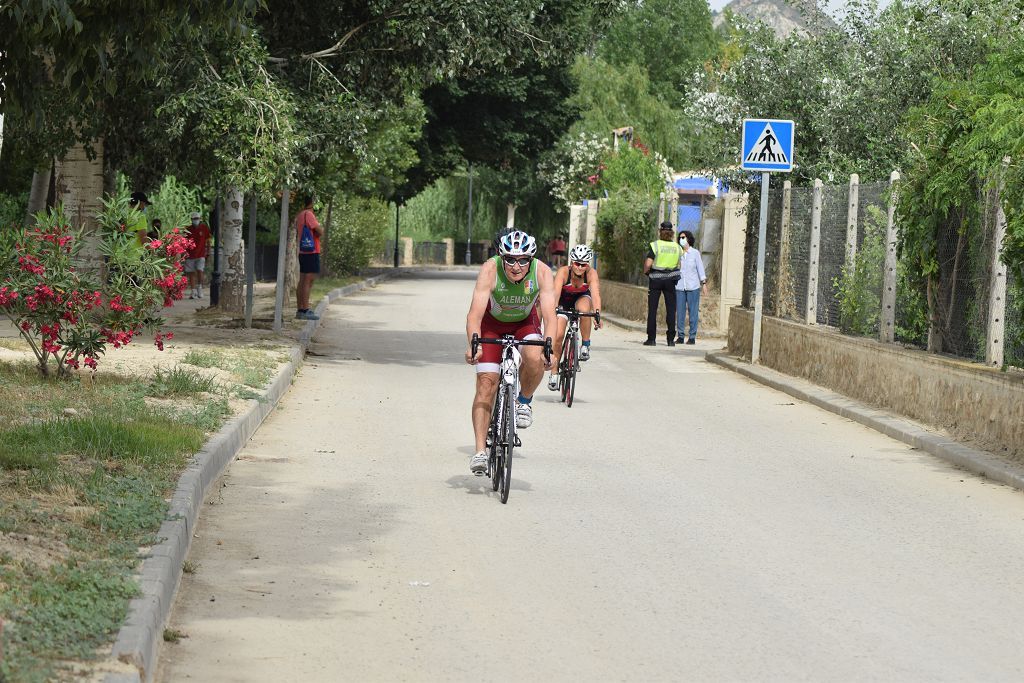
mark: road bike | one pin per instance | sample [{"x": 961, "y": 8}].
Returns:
[
  {"x": 501, "y": 434},
  {"x": 569, "y": 363}
]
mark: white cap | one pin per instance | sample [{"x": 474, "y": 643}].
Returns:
[{"x": 196, "y": 215}]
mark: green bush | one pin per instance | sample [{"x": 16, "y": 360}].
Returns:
[
  {"x": 12, "y": 209},
  {"x": 625, "y": 225},
  {"x": 357, "y": 233},
  {"x": 859, "y": 288}
]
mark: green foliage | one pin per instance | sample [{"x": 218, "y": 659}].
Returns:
[
  {"x": 358, "y": 231},
  {"x": 174, "y": 202},
  {"x": 12, "y": 209},
  {"x": 859, "y": 288},
  {"x": 624, "y": 229},
  {"x": 911, "y": 305},
  {"x": 634, "y": 168}
]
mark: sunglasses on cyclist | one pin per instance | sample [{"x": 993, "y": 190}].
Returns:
[
  {"x": 581, "y": 264},
  {"x": 521, "y": 262}
]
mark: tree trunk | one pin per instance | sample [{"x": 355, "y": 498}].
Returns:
[
  {"x": 79, "y": 187},
  {"x": 37, "y": 195},
  {"x": 325, "y": 269},
  {"x": 510, "y": 214},
  {"x": 232, "y": 280},
  {"x": 291, "y": 271}
]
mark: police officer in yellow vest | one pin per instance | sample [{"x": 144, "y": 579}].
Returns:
[{"x": 662, "y": 269}]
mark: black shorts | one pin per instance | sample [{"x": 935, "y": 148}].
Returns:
[
  {"x": 309, "y": 263},
  {"x": 568, "y": 299}
]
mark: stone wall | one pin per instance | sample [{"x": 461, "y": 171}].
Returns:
[
  {"x": 970, "y": 401},
  {"x": 630, "y": 302}
]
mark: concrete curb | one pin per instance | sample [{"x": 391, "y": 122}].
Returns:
[
  {"x": 138, "y": 641},
  {"x": 634, "y": 326},
  {"x": 972, "y": 459}
]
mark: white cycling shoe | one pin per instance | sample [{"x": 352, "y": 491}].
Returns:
[
  {"x": 524, "y": 415},
  {"x": 553, "y": 382},
  {"x": 478, "y": 464},
  {"x": 585, "y": 353}
]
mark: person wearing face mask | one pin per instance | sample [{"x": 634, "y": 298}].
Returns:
[
  {"x": 692, "y": 281},
  {"x": 195, "y": 259}
]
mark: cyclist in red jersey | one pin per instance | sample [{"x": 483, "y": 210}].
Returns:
[{"x": 579, "y": 287}]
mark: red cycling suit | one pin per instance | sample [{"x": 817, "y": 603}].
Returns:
[
  {"x": 570, "y": 293},
  {"x": 490, "y": 328}
]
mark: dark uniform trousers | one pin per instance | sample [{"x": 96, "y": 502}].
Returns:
[{"x": 657, "y": 287}]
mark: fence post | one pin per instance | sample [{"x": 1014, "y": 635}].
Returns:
[
  {"x": 994, "y": 339},
  {"x": 851, "y": 220},
  {"x": 661, "y": 209},
  {"x": 591, "y": 224},
  {"x": 449, "y": 251},
  {"x": 674, "y": 211},
  {"x": 812, "y": 270},
  {"x": 407, "y": 251},
  {"x": 887, "y": 329},
  {"x": 783, "y": 286}
]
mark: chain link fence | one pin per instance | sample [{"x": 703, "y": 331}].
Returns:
[{"x": 849, "y": 290}]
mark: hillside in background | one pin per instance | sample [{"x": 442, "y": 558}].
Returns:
[{"x": 784, "y": 17}]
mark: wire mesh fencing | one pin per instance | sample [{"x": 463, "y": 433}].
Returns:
[{"x": 848, "y": 259}]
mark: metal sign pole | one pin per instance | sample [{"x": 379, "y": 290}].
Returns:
[
  {"x": 469, "y": 222},
  {"x": 250, "y": 262},
  {"x": 762, "y": 237}
]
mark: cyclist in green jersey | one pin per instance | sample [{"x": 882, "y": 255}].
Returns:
[{"x": 514, "y": 292}]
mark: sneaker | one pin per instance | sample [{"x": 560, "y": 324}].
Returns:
[
  {"x": 671, "y": 341},
  {"x": 650, "y": 342},
  {"x": 553, "y": 382},
  {"x": 585, "y": 353},
  {"x": 199, "y": 293},
  {"x": 300, "y": 314},
  {"x": 680, "y": 340},
  {"x": 524, "y": 415},
  {"x": 192, "y": 294},
  {"x": 691, "y": 341},
  {"x": 478, "y": 464},
  {"x": 310, "y": 315}
]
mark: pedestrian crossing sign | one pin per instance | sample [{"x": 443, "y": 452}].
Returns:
[{"x": 767, "y": 145}]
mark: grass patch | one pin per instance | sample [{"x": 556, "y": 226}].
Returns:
[
  {"x": 14, "y": 344},
  {"x": 204, "y": 358},
  {"x": 93, "y": 487},
  {"x": 323, "y": 285},
  {"x": 252, "y": 367},
  {"x": 179, "y": 381}
]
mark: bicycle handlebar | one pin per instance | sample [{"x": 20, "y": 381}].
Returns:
[
  {"x": 596, "y": 315},
  {"x": 546, "y": 343}
]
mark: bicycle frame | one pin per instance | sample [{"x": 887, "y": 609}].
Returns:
[{"x": 502, "y": 429}]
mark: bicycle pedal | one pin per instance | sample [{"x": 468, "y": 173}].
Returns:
[{"x": 518, "y": 442}]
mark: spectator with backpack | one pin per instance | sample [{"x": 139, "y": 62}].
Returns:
[{"x": 309, "y": 232}]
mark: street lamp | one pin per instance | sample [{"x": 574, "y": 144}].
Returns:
[
  {"x": 398, "y": 203},
  {"x": 469, "y": 228}
]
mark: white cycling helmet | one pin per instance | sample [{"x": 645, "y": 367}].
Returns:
[
  {"x": 517, "y": 243},
  {"x": 581, "y": 253}
]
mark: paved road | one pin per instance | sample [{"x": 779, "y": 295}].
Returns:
[{"x": 678, "y": 523}]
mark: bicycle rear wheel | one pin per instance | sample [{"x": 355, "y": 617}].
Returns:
[
  {"x": 570, "y": 374},
  {"x": 508, "y": 444}
]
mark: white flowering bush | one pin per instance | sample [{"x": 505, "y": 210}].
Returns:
[{"x": 574, "y": 168}]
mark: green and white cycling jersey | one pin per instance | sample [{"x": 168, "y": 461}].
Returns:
[{"x": 511, "y": 302}]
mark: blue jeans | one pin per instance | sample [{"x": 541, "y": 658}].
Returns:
[{"x": 687, "y": 302}]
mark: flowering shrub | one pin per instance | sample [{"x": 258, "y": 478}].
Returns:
[
  {"x": 574, "y": 169},
  {"x": 69, "y": 312}
]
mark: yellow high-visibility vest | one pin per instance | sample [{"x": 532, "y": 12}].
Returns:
[{"x": 666, "y": 255}]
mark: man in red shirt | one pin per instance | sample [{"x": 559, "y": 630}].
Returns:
[
  {"x": 309, "y": 233},
  {"x": 556, "y": 252},
  {"x": 195, "y": 259}
]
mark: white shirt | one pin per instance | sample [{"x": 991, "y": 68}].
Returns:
[{"x": 691, "y": 269}]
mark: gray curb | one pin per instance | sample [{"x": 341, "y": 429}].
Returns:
[
  {"x": 139, "y": 639},
  {"x": 972, "y": 459},
  {"x": 634, "y": 326}
]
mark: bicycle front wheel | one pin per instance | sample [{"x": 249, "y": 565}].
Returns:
[
  {"x": 570, "y": 374},
  {"x": 508, "y": 444},
  {"x": 494, "y": 459}
]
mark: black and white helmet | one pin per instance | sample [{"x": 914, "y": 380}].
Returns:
[
  {"x": 581, "y": 253},
  {"x": 517, "y": 243}
]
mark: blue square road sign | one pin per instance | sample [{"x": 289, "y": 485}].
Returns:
[{"x": 767, "y": 145}]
